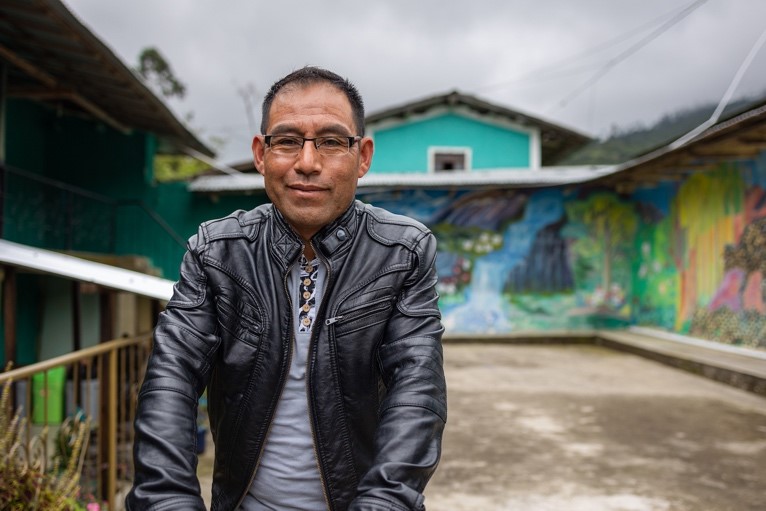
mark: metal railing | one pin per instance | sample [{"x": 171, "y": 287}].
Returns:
[{"x": 98, "y": 384}]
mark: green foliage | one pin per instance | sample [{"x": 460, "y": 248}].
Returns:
[
  {"x": 153, "y": 68},
  {"x": 24, "y": 487},
  {"x": 171, "y": 167}
]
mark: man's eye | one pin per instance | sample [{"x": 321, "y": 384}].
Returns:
[
  {"x": 285, "y": 142},
  {"x": 332, "y": 143}
]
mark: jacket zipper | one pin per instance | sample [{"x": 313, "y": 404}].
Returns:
[
  {"x": 281, "y": 389},
  {"x": 380, "y": 304},
  {"x": 312, "y": 341}
]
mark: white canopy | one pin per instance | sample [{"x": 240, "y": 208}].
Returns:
[{"x": 76, "y": 268}]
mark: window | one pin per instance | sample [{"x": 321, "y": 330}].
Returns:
[
  {"x": 447, "y": 162},
  {"x": 449, "y": 159}
]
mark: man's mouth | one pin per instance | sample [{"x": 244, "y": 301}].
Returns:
[{"x": 306, "y": 187}]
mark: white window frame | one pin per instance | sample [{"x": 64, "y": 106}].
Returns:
[{"x": 467, "y": 153}]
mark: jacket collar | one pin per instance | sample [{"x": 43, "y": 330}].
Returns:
[{"x": 332, "y": 239}]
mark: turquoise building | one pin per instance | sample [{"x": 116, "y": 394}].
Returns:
[{"x": 456, "y": 132}]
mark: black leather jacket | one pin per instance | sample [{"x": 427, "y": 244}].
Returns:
[{"x": 377, "y": 395}]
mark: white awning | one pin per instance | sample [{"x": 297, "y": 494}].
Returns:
[
  {"x": 76, "y": 268},
  {"x": 546, "y": 176}
]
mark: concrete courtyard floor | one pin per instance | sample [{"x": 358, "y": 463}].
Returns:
[{"x": 586, "y": 428}]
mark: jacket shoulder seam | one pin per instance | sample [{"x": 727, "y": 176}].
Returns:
[{"x": 234, "y": 225}]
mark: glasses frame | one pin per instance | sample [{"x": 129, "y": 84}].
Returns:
[{"x": 351, "y": 141}]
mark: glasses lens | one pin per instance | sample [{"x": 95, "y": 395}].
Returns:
[
  {"x": 332, "y": 146},
  {"x": 289, "y": 145},
  {"x": 286, "y": 145}
]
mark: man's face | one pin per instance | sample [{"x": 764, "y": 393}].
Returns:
[{"x": 309, "y": 189}]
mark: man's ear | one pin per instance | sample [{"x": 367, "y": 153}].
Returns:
[
  {"x": 366, "y": 148},
  {"x": 259, "y": 147}
]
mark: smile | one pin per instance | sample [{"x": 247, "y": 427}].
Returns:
[{"x": 306, "y": 188}]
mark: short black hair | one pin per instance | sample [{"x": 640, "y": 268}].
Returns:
[{"x": 311, "y": 75}]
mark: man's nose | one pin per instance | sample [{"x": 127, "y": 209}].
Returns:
[{"x": 308, "y": 158}]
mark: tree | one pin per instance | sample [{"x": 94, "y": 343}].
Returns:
[{"x": 153, "y": 68}]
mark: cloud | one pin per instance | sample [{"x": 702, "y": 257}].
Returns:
[{"x": 398, "y": 50}]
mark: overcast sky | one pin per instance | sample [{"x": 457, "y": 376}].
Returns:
[{"x": 578, "y": 63}]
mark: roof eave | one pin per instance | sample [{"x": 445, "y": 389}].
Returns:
[{"x": 58, "y": 85}]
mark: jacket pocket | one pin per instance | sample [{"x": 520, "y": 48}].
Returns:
[
  {"x": 239, "y": 321},
  {"x": 362, "y": 316}
]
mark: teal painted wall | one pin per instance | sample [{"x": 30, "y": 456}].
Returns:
[
  {"x": 77, "y": 151},
  {"x": 97, "y": 158},
  {"x": 404, "y": 148},
  {"x": 81, "y": 153},
  {"x": 184, "y": 211}
]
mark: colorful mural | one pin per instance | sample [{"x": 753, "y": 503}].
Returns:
[
  {"x": 688, "y": 257},
  {"x": 513, "y": 260},
  {"x": 702, "y": 264}
]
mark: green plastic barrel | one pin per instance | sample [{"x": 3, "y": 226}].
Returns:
[{"x": 48, "y": 394}]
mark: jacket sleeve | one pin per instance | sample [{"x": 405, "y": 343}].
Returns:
[
  {"x": 165, "y": 455},
  {"x": 413, "y": 412}
]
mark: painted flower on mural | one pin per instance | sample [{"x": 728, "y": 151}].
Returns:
[
  {"x": 612, "y": 298},
  {"x": 487, "y": 242},
  {"x": 467, "y": 242},
  {"x": 648, "y": 266},
  {"x": 459, "y": 277}
]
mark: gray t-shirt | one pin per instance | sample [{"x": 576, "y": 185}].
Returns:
[{"x": 287, "y": 477}]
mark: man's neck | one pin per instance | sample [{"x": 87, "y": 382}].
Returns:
[{"x": 308, "y": 251}]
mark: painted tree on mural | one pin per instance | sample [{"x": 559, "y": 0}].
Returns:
[
  {"x": 706, "y": 213},
  {"x": 655, "y": 281},
  {"x": 604, "y": 229},
  {"x": 748, "y": 255}
]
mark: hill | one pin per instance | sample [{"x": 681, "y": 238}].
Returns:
[{"x": 623, "y": 145}]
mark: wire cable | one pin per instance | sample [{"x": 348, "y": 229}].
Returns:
[
  {"x": 726, "y": 96},
  {"x": 555, "y": 70},
  {"x": 630, "y": 51}
]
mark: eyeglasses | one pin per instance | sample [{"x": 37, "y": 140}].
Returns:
[{"x": 291, "y": 145}]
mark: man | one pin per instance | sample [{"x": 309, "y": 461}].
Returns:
[{"x": 313, "y": 324}]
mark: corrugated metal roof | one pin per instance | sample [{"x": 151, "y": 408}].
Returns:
[
  {"x": 520, "y": 178},
  {"x": 47, "y": 261},
  {"x": 54, "y": 58}
]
